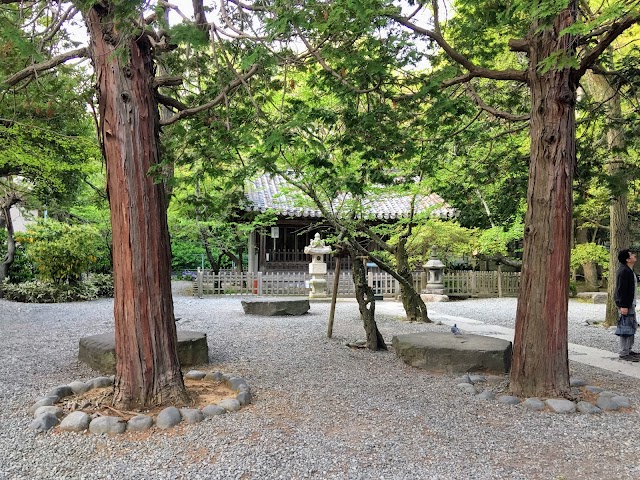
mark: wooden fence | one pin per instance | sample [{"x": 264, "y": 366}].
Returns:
[{"x": 463, "y": 283}]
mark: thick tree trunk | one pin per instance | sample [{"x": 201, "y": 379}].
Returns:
[
  {"x": 413, "y": 304},
  {"x": 147, "y": 369},
  {"x": 540, "y": 364},
  {"x": 600, "y": 89},
  {"x": 367, "y": 305},
  {"x": 619, "y": 236}
]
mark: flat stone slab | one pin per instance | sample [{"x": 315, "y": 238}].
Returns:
[
  {"x": 445, "y": 352},
  {"x": 276, "y": 307},
  {"x": 99, "y": 351}
]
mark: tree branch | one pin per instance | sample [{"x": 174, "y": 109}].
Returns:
[
  {"x": 170, "y": 102},
  {"x": 167, "y": 82},
  {"x": 614, "y": 32},
  {"x": 237, "y": 82},
  {"x": 474, "y": 71},
  {"x": 47, "y": 65},
  {"x": 326, "y": 67},
  {"x": 496, "y": 113}
]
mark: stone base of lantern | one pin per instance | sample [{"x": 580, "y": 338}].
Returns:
[{"x": 318, "y": 288}]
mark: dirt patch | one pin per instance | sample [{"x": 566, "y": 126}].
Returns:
[{"x": 98, "y": 401}]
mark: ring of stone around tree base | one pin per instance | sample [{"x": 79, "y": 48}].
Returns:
[
  {"x": 275, "y": 307},
  {"x": 445, "y": 352},
  {"x": 99, "y": 351}
]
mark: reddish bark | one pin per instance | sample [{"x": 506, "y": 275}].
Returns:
[
  {"x": 540, "y": 360},
  {"x": 147, "y": 369}
]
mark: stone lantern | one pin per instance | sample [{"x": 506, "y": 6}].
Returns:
[
  {"x": 434, "y": 268},
  {"x": 317, "y": 267}
]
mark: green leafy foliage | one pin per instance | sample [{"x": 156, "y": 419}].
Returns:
[
  {"x": 590, "y": 253},
  {"x": 497, "y": 240},
  {"x": 46, "y": 292},
  {"x": 451, "y": 240},
  {"x": 61, "y": 253},
  {"x": 103, "y": 282}
]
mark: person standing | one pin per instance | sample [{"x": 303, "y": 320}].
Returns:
[{"x": 625, "y": 298}]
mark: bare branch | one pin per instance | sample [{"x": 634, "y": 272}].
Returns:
[
  {"x": 231, "y": 87},
  {"x": 170, "y": 102},
  {"x": 70, "y": 13},
  {"x": 474, "y": 71},
  {"x": 496, "y": 113},
  {"x": 167, "y": 81},
  {"x": 47, "y": 65},
  {"x": 246, "y": 6},
  {"x": 519, "y": 45},
  {"x": 175, "y": 8}
]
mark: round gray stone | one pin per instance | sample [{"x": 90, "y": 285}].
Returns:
[
  {"x": 44, "y": 422},
  {"x": 586, "y": 407},
  {"x": 109, "y": 425},
  {"x": 487, "y": 395},
  {"x": 230, "y": 404},
  {"x": 244, "y": 397},
  {"x": 57, "y": 411},
  {"x": 75, "y": 422},
  {"x": 43, "y": 401},
  {"x": 561, "y": 405},
  {"x": 213, "y": 411},
  {"x": 606, "y": 403},
  {"x": 623, "y": 402},
  {"x": 509, "y": 400},
  {"x": 139, "y": 423},
  {"x": 235, "y": 383},
  {"x": 169, "y": 417},
  {"x": 577, "y": 382},
  {"x": 100, "y": 382},
  {"x": 213, "y": 377},
  {"x": 533, "y": 403},
  {"x": 195, "y": 375},
  {"x": 467, "y": 387},
  {"x": 191, "y": 415},
  {"x": 60, "y": 392},
  {"x": 477, "y": 379},
  {"x": 79, "y": 387}
]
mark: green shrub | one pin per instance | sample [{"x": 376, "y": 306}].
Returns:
[
  {"x": 36, "y": 292},
  {"x": 60, "y": 253},
  {"x": 103, "y": 283},
  {"x": 590, "y": 252}
]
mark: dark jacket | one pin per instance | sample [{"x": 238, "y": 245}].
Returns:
[{"x": 625, "y": 287}]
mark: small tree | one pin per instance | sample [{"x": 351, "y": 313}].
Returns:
[{"x": 61, "y": 253}]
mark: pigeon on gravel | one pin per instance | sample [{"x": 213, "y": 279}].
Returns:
[{"x": 455, "y": 330}]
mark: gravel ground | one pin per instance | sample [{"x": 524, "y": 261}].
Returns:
[{"x": 321, "y": 410}]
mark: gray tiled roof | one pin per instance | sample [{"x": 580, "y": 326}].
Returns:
[{"x": 268, "y": 191}]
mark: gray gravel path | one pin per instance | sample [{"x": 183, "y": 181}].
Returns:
[{"x": 321, "y": 410}]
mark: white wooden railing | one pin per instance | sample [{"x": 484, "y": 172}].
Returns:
[{"x": 463, "y": 283}]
